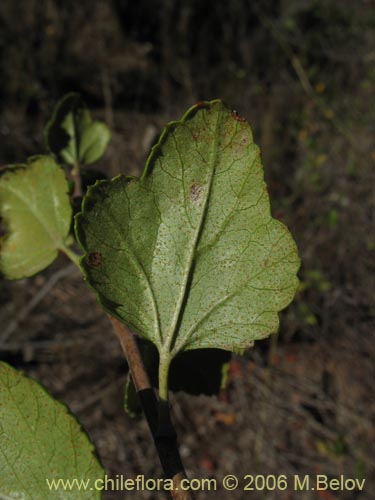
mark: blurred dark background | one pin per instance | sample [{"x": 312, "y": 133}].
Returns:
[{"x": 301, "y": 72}]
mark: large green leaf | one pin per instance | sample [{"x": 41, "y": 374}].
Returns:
[
  {"x": 35, "y": 208},
  {"x": 188, "y": 255},
  {"x": 40, "y": 441},
  {"x": 73, "y": 136}
]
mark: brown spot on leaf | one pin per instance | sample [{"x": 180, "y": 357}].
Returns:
[
  {"x": 195, "y": 192},
  {"x": 265, "y": 263},
  {"x": 95, "y": 259},
  {"x": 237, "y": 117}
]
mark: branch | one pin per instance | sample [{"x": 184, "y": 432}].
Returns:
[
  {"x": 165, "y": 442},
  {"x": 76, "y": 176}
]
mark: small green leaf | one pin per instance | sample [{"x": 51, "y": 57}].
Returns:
[
  {"x": 73, "y": 136},
  {"x": 35, "y": 208},
  {"x": 190, "y": 256},
  {"x": 39, "y": 441}
]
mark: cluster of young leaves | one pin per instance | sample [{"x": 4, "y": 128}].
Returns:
[
  {"x": 188, "y": 255},
  {"x": 73, "y": 136}
]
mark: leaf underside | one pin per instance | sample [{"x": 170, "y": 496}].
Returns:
[
  {"x": 188, "y": 255},
  {"x": 35, "y": 208},
  {"x": 40, "y": 440}
]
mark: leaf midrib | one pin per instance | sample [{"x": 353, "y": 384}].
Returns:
[{"x": 181, "y": 303}]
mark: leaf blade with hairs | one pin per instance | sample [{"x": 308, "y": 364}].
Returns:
[
  {"x": 191, "y": 257},
  {"x": 39, "y": 441}
]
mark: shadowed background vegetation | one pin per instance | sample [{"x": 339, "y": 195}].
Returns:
[{"x": 301, "y": 72}]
